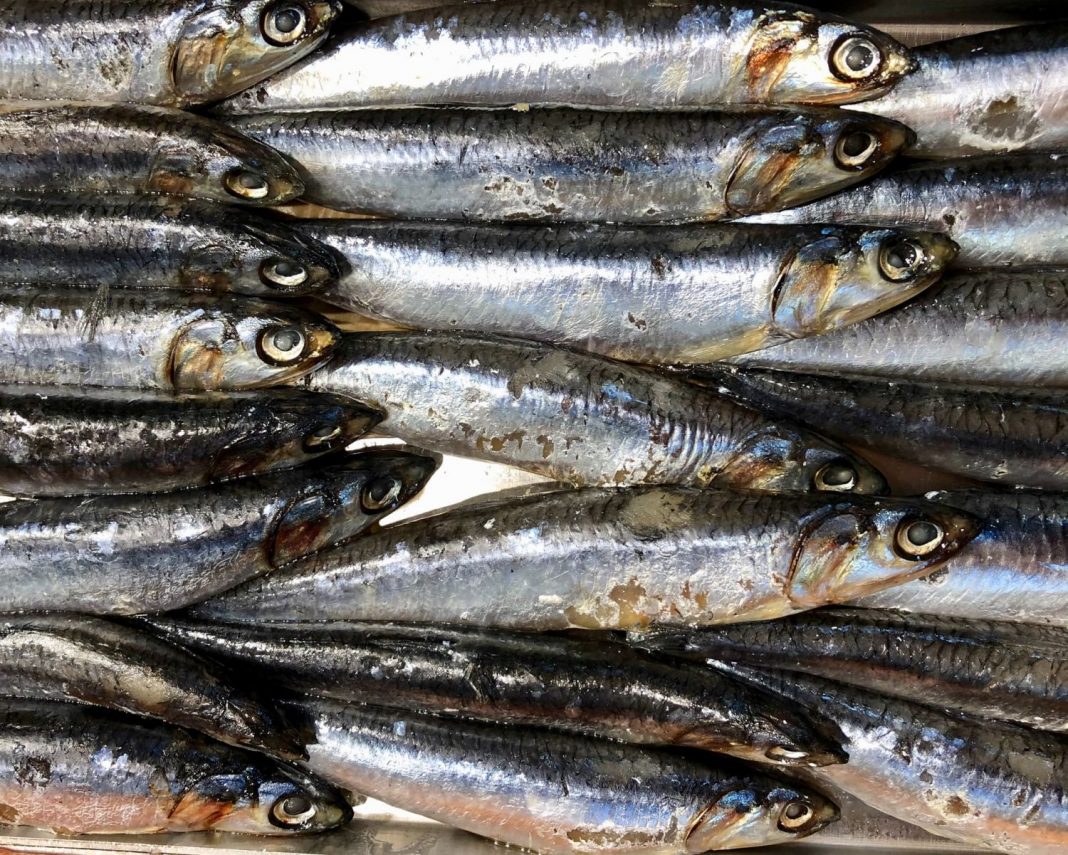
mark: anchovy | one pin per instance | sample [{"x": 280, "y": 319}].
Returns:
[
  {"x": 592, "y": 53},
  {"x": 1000, "y": 670},
  {"x": 174, "y": 342},
  {"x": 62, "y": 441},
  {"x": 81, "y": 770},
  {"x": 593, "y": 688},
  {"x": 611, "y": 559},
  {"x": 568, "y": 166},
  {"x": 654, "y": 294},
  {"x": 1003, "y": 211},
  {"x": 134, "y": 554},
  {"x": 170, "y": 52},
  {"x": 56, "y": 149},
  {"x": 997, "y": 328},
  {"x": 555, "y": 792},
  {"x": 577, "y": 418}
]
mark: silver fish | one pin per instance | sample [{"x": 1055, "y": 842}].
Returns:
[
  {"x": 554, "y": 792},
  {"x": 56, "y": 149},
  {"x": 609, "y": 559},
  {"x": 174, "y": 342},
  {"x": 566, "y": 165},
  {"x": 592, "y": 53},
  {"x": 169, "y": 52},
  {"x": 652, "y": 294},
  {"x": 134, "y": 554},
  {"x": 577, "y": 418}
]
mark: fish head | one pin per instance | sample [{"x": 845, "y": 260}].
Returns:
[
  {"x": 847, "y": 275},
  {"x": 789, "y": 159},
  {"x": 760, "y": 813},
  {"x": 343, "y": 499},
  {"x": 229, "y": 45},
  {"x": 776, "y": 734},
  {"x": 246, "y": 344},
  {"x": 861, "y": 547}
]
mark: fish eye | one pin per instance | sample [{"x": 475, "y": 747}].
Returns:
[
  {"x": 382, "y": 494},
  {"x": 284, "y": 273},
  {"x": 856, "y": 58},
  {"x": 836, "y": 477},
  {"x": 323, "y": 437},
  {"x": 247, "y": 185},
  {"x": 282, "y": 345},
  {"x": 901, "y": 259},
  {"x": 284, "y": 24},
  {"x": 855, "y": 149},
  {"x": 782, "y": 754},
  {"x": 795, "y": 816},
  {"x": 293, "y": 810},
  {"x": 917, "y": 539}
]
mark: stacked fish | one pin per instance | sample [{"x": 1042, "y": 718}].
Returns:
[{"x": 656, "y": 254}]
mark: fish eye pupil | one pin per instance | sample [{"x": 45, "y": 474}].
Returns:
[
  {"x": 381, "y": 494},
  {"x": 296, "y": 805},
  {"x": 901, "y": 255},
  {"x": 284, "y": 25},
  {"x": 856, "y": 143},
  {"x": 859, "y": 57},
  {"x": 287, "y": 20},
  {"x": 921, "y": 533},
  {"x": 919, "y": 538},
  {"x": 287, "y": 268},
  {"x": 282, "y": 345},
  {"x": 247, "y": 184},
  {"x": 287, "y": 339},
  {"x": 838, "y": 476},
  {"x": 795, "y": 810},
  {"x": 855, "y": 58}
]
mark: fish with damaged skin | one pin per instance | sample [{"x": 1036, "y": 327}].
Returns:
[
  {"x": 612, "y": 559},
  {"x": 134, "y": 554},
  {"x": 575, "y": 166},
  {"x": 649, "y": 294}
]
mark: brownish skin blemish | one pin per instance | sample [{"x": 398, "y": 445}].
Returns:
[
  {"x": 497, "y": 443},
  {"x": 701, "y": 599},
  {"x": 640, "y": 323},
  {"x": 956, "y": 806},
  {"x": 33, "y": 771},
  {"x": 1005, "y": 119},
  {"x": 628, "y": 598},
  {"x": 659, "y": 267},
  {"x": 566, "y": 404},
  {"x": 547, "y": 446},
  {"x": 580, "y": 619},
  {"x": 8, "y": 815}
]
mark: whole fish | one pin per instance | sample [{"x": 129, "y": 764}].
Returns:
[
  {"x": 993, "y": 92},
  {"x": 1003, "y": 211},
  {"x": 618, "y": 290},
  {"x": 153, "y": 243},
  {"x": 174, "y": 342},
  {"x": 174, "y": 52},
  {"x": 80, "y": 770},
  {"x": 568, "y": 166},
  {"x": 556, "y": 792},
  {"x": 56, "y": 149},
  {"x": 80, "y": 659},
  {"x": 595, "y": 688},
  {"x": 996, "y": 328},
  {"x": 989, "y": 784},
  {"x": 997, "y": 434},
  {"x": 611, "y": 559},
  {"x": 1008, "y": 671},
  {"x": 134, "y": 554},
  {"x": 64, "y": 441},
  {"x": 577, "y": 418},
  {"x": 592, "y": 53}
]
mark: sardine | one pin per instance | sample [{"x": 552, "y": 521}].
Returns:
[
  {"x": 134, "y": 554},
  {"x": 154, "y": 243},
  {"x": 653, "y": 294},
  {"x": 62, "y": 441},
  {"x": 997, "y": 434},
  {"x": 169, "y": 341},
  {"x": 577, "y": 418},
  {"x": 611, "y": 559},
  {"x": 1003, "y": 211},
  {"x": 1000, "y": 670},
  {"x": 567, "y": 166},
  {"x": 55, "y": 149},
  {"x": 555, "y": 792},
  {"x": 610, "y": 54},
  {"x": 169, "y": 52},
  {"x": 82, "y": 770},
  {"x": 594, "y": 688}
]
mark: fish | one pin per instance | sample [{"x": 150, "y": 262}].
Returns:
[
  {"x": 985, "y": 669},
  {"x": 995, "y": 328},
  {"x": 174, "y": 53},
  {"x": 595, "y": 688},
  {"x": 77, "y": 769},
  {"x": 577, "y": 418},
  {"x": 59, "y": 149},
  {"x": 155, "y": 340},
  {"x": 85, "y": 660},
  {"x": 997, "y": 434},
  {"x": 985, "y": 783},
  {"x": 574, "y": 166},
  {"x": 612, "y": 560},
  {"x": 1001, "y": 210},
  {"x": 608, "y": 54},
  {"x": 618, "y": 290},
  {"x": 66, "y": 441},
  {"x": 124, "y": 555},
  {"x": 555, "y": 792},
  {"x": 156, "y": 243},
  {"x": 966, "y": 98}
]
